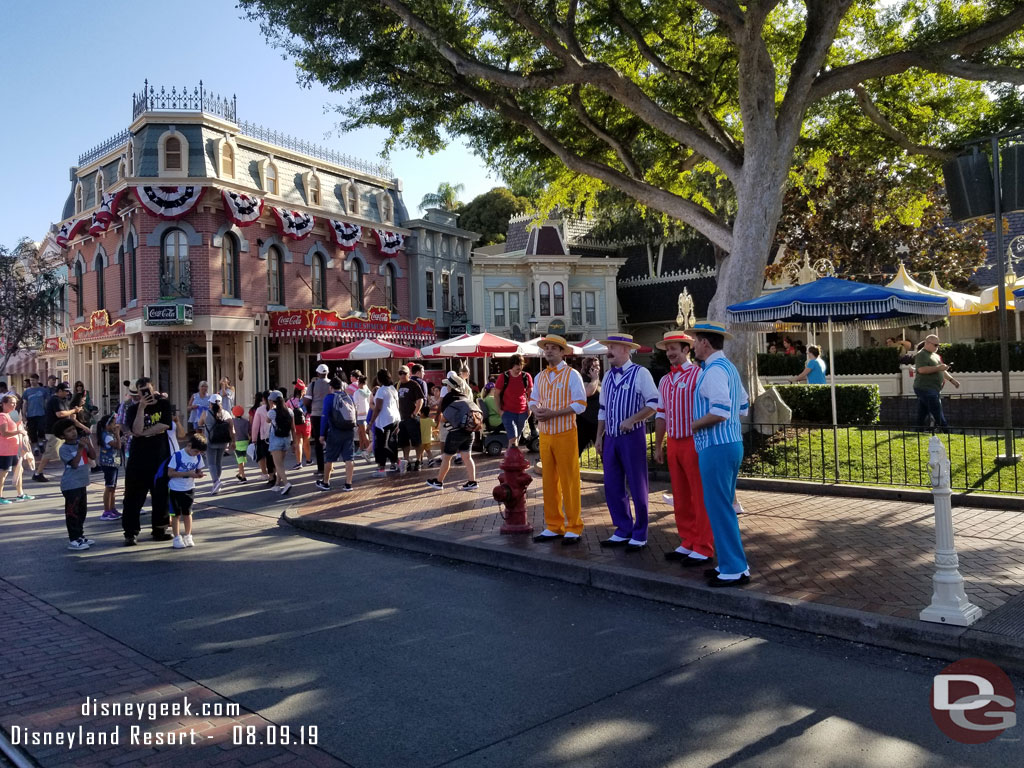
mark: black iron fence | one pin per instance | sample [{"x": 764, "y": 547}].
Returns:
[{"x": 961, "y": 410}]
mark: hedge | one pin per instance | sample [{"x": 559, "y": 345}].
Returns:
[
  {"x": 812, "y": 403},
  {"x": 979, "y": 357}
]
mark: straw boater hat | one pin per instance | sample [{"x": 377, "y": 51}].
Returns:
[
  {"x": 709, "y": 326},
  {"x": 677, "y": 336},
  {"x": 552, "y": 339},
  {"x": 620, "y": 338}
]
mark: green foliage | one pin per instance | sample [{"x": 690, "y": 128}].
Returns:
[
  {"x": 29, "y": 289},
  {"x": 812, "y": 403},
  {"x": 981, "y": 357},
  {"x": 446, "y": 198},
  {"x": 778, "y": 364},
  {"x": 489, "y": 213}
]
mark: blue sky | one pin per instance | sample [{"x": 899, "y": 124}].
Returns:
[{"x": 70, "y": 69}]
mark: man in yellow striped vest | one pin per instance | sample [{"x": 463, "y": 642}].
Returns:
[{"x": 558, "y": 396}]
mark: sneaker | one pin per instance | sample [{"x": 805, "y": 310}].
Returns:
[
  {"x": 472, "y": 485},
  {"x": 40, "y": 479},
  {"x": 131, "y": 541},
  {"x": 110, "y": 514},
  {"x": 89, "y": 542},
  {"x": 320, "y": 484},
  {"x": 436, "y": 484},
  {"x": 308, "y": 462},
  {"x": 26, "y": 497},
  {"x": 393, "y": 468},
  {"x": 403, "y": 466},
  {"x": 5, "y": 501},
  {"x": 187, "y": 538},
  {"x": 178, "y": 543},
  {"x": 216, "y": 488},
  {"x": 435, "y": 462},
  {"x": 161, "y": 535},
  {"x": 284, "y": 490},
  {"x": 414, "y": 466},
  {"x": 78, "y": 545},
  {"x": 298, "y": 465},
  {"x": 347, "y": 488},
  {"x": 239, "y": 478},
  {"x": 272, "y": 481},
  {"x": 380, "y": 473}
]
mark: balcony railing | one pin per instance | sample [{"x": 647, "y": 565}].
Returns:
[
  {"x": 99, "y": 150},
  {"x": 380, "y": 170},
  {"x": 149, "y": 99},
  {"x": 176, "y": 284}
]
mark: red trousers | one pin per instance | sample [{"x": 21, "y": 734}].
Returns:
[{"x": 688, "y": 497}]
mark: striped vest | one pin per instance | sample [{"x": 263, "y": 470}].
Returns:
[
  {"x": 677, "y": 388},
  {"x": 552, "y": 391},
  {"x": 724, "y": 432},
  {"x": 621, "y": 400}
]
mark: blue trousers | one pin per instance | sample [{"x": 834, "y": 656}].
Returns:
[
  {"x": 625, "y": 460},
  {"x": 514, "y": 424},
  {"x": 719, "y": 468},
  {"x": 929, "y": 401}
]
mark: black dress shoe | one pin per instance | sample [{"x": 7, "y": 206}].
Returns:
[
  {"x": 694, "y": 562},
  {"x": 568, "y": 541},
  {"x": 674, "y": 556},
  {"x": 542, "y": 537},
  {"x": 719, "y": 582},
  {"x": 130, "y": 541},
  {"x": 612, "y": 543},
  {"x": 710, "y": 573},
  {"x": 636, "y": 547},
  {"x": 161, "y": 536}
]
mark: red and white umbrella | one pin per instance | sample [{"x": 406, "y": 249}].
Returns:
[
  {"x": 478, "y": 345},
  {"x": 594, "y": 348},
  {"x": 432, "y": 351},
  {"x": 532, "y": 348},
  {"x": 369, "y": 349}
]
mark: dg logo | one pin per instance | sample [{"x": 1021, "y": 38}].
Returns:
[{"x": 973, "y": 701}]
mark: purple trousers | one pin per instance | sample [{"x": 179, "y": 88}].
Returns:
[{"x": 625, "y": 461}]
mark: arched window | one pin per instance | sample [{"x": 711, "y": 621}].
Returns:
[
  {"x": 275, "y": 276},
  {"x": 230, "y": 276},
  {"x": 352, "y": 200},
  {"x": 122, "y": 273},
  {"x": 559, "y": 299},
  {"x": 175, "y": 275},
  {"x": 545, "y": 300},
  {"x": 391, "y": 287},
  {"x": 314, "y": 190},
  {"x": 132, "y": 269},
  {"x": 101, "y": 288},
  {"x": 270, "y": 177},
  {"x": 99, "y": 186},
  {"x": 79, "y": 290},
  {"x": 172, "y": 154},
  {"x": 227, "y": 161},
  {"x": 79, "y": 198},
  {"x": 356, "y": 268},
  {"x": 319, "y": 283},
  {"x": 385, "y": 208}
]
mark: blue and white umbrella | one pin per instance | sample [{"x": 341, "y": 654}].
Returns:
[{"x": 839, "y": 304}]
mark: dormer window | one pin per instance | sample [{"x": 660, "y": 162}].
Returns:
[
  {"x": 270, "y": 178},
  {"x": 99, "y": 186},
  {"x": 122, "y": 169},
  {"x": 227, "y": 161},
  {"x": 172, "y": 154},
  {"x": 314, "y": 190},
  {"x": 352, "y": 199},
  {"x": 79, "y": 197}
]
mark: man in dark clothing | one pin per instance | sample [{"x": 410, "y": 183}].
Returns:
[
  {"x": 149, "y": 421},
  {"x": 410, "y": 401},
  {"x": 316, "y": 393},
  {"x": 58, "y": 406},
  {"x": 416, "y": 376}
]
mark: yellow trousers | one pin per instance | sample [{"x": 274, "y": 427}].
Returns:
[{"x": 560, "y": 467}]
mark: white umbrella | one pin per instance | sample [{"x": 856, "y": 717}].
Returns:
[{"x": 532, "y": 348}]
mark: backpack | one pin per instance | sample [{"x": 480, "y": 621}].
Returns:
[
  {"x": 161, "y": 475},
  {"x": 299, "y": 415},
  {"x": 220, "y": 432},
  {"x": 282, "y": 423},
  {"x": 462, "y": 414},
  {"x": 343, "y": 411},
  {"x": 505, "y": 380}
]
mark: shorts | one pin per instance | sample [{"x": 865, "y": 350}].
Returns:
[
  {"x": 279, "y": 443},
  {"x": 50, "y": 450},
  {"x": 262, "y": 449},
  {"x": 181, "y": 503},
  {"x": 241, "y": 455},
  {"x": 457, "y": 441},
  {"x": 303, "y": 430},
  {"x": 110, "y": 477},
  {"x": 426, "y": 430},
  {"x": 339, "y": 444},
  {"x": 409, "y": 433},
  {"x": 8, "y": 462}
]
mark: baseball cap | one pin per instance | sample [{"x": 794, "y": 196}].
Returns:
[
  {"x": 64, "y": 385},
  {"x": 404, "y": 369},
  {"x": 216, "y": 399},
  {"x": 322, "y": 369},
  {"x": 274, "y": 395},
  {"x": 300, "y": 383}
]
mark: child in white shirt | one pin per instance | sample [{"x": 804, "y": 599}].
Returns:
[{"x": 183, "y": 469}]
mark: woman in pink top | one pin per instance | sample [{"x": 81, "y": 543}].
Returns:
[{"x": 9, "y": 434}]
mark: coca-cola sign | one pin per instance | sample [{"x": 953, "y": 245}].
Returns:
[
  {"x": 379, "y": 314},
  {"x": 168, "y": 314}
]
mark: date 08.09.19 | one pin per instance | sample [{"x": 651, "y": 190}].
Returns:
[{"x": 273, "y": 734}]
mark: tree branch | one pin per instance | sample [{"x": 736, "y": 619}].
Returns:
[
  {"x": 925, "y": 57},
  {"x": 891, "y": 131},
  {"x": 620, "y": 150},
  {"x": 968, "y": 70},
  {"x": 728, "y": 11}
]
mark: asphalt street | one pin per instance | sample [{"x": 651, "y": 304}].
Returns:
[{"x": 404, "y": 660}]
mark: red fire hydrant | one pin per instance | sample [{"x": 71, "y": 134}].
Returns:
[{"x": 511, "y": 491}]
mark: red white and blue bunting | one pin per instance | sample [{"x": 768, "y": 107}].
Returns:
[
  {"x": 169, "y": 202},
  {"x": 388, "y": 242},
  {"x": 107, "y": 211},
  {"x": 346, "y": 235},
  {"x": 68, "y": 230},
  {"x": 294, "y": 224},
  {"x": 241, "y": 208}
]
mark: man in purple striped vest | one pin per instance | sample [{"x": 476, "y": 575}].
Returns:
[{"x": 628, "y": 398}]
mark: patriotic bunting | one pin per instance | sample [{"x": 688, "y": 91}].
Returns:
[
  {"x": 97, "y": 226},
  {"x": 388, "y": 242},
  {"x": 68, "y": 230},
  {"x": 108, "y": 208},
  {"x": 241, "y": 208},
  {"x": 169, "y": 202},
  {"x": 346, "y": 235},
  {"x": 293, "y": 224}
]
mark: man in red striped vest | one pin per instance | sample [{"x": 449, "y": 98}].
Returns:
[
  {"x": 558, "y": 396},
  {"x": 674, "y": 420}
]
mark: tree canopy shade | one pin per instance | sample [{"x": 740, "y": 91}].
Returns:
[{"x": 695, "y": 108}]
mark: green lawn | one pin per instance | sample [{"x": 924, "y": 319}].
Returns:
[{"x": 876, "y": 456}]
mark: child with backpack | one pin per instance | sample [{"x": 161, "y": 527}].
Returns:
[
  {"x": 108, "y": 439},
  {"x": 75, "y": 454},
  {"x": 219, "y": 435},
  {"x": 240, "y": 425},
  {"x": 183, "y": 469},
  {"x": 464, "y": 419}
]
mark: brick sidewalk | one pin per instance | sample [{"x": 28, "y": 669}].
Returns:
[
  {"x": 51, "y": 664},
  {"x": 868, "y": 555}
]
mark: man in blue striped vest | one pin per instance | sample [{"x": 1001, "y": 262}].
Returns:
[
  {"x": 628, "y": 398},
  {"x": 719, "y": 401}
]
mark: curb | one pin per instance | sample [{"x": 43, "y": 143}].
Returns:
[{"x": 921, "y": 638}]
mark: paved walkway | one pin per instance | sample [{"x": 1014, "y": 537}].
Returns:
[{"x": 869, "y": 556}]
